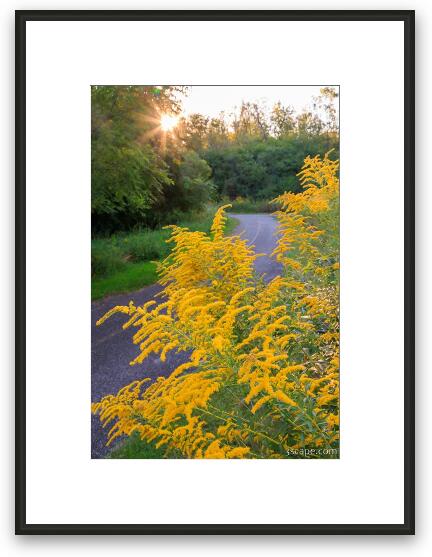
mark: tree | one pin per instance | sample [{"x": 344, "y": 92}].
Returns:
[
  {"x": 218, "y": 132},
  {"x": 282, "y": 120},
  {"x": 194, "y": 131},
  {"x": 129, "y": 173},
  {"x": 309, "y": 124},
  {"x": 325, "y": 103},
  {"x": 250, "y": 122},
  {"x": 195, "y": 174}
]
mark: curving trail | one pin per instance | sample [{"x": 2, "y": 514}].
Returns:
[
  {"x": 260, "y": 230},
  {"x": 112, "y": 349}
]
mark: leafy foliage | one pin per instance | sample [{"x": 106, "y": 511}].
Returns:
[
  {"x": 197, "y": 189},
  {"x": 143, "y": 176},
  {"x": 129, "y": 173},
  {"x": 263, "y": 170}
]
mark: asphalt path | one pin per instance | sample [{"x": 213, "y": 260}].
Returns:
[{"x": 112, "y": 348}]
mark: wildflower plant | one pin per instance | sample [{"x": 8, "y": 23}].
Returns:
[{"x": 261, "y": 378}]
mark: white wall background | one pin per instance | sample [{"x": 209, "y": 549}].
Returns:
[{"x": 191, "y": 546}]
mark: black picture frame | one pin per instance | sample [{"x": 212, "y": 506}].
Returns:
[{"x": 22, "y": 17}]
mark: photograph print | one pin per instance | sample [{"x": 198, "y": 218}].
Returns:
[{"x": 215, "y": 272}]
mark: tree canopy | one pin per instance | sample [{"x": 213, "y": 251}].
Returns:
[{"x": 143, "y": 175}]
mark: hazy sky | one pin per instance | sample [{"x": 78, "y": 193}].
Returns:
[{"x": 211, "y": 100}]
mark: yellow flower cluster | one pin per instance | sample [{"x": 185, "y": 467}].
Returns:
[
  {"x": 309, "y": 223},
  {"x": 261, "y": 377}
]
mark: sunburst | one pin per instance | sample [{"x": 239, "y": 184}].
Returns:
[{"x": 168, "y": 122}]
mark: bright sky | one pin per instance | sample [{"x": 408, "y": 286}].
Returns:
[{"x": 211, "y": 100}]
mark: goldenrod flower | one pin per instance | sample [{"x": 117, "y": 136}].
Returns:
[{"x": 262, "y": 374}]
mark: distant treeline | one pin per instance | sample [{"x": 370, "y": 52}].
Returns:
[
  {"x": 143, "y": 176},
  {"x": 263, "y": 169}
]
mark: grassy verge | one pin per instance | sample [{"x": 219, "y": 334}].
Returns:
[
  {"x": 134, "y": 447},
  {"x": 133, "y": 277},
  {"x": 126, "y": 262}
]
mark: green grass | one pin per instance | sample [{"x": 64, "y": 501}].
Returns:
[
  {"x": 126, "y": 262},
  {"x": 134, "y": 447},
  {"x": 231, "y": 224},
  {"x": 133, "y": 277}
]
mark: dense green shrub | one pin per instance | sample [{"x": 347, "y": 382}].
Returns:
[
  {"x": 145, "y": 245},
  {"x": 106, "y": 258},
  {"x": 258, "y": 169}
]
